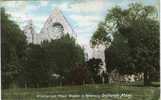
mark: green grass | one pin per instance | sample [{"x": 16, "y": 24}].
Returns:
[{"x": 136, "y": 92}]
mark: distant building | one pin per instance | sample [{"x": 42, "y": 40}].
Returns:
[
  {"x": 55, "y": 26},
  {"x": 99, "y": 53},
  {"x": 30, "y": 32}
]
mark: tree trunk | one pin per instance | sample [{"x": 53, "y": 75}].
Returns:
[
  {"x": 109, "y": 78},
  {"x": 146, "y": 78},
  {"x": 103, "y": 80},
  {"x": 25, "y": 84}
]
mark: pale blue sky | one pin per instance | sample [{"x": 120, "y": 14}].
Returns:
[{"x": 83, "y": 15}]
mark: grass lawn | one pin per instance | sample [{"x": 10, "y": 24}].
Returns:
[{"x": 84, "y": 92}]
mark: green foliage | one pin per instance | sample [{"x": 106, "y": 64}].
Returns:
[
  {"x": 94, "y": 66},
  {"x": 49, "y": 58},
  {"x": 13, "y": 50},
  {"x": 79, "y": 75},
  {"x": 135, "y": 47},
  {"x": 36, "y": 72},
  {"x": 141, "y": 31},
  {"x": 62, "y": 54},
  {"x": 118, "y": 56},
  {"x": 100, "y": 36},
  {"x": 33, "y": 65}
]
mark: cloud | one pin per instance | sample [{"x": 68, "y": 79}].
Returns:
[
  {"x": 87, "y": 7},
  {"x": 86, "y": 25},
  {"x": 85, "y": 19},
  {"x": 19, "y": 11},
  {"x": 90, "y": 6},
  {"x": 37, "y": 5},
  {"x": 44, "y": 2},
  {"x": 13, "y": 4}
]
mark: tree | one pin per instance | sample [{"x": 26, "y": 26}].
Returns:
[
  {"x": 94, "y": 68},
  {"x": 79, "y": 75},
  {"x": 51, "y": 62},
  {"x": 62, "y": 54},
  {"x": 139, "y": 27},
  {"x": 13, "y": 50},
  {"x": 36, "y": 72},
  {"x": 118, "y": 56},
  {"x": 101, "y": 36}
]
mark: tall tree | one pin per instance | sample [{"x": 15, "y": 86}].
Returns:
[
  {"x": 13, "y": 50},
  {"x": 94, "y": 67},
  {"x": 50, "y": 58},
  {"x": 36, "y": 72},
  {"x": 62, "y": 54},
  {"x": 139, "y": 26},
  {"x": 118, "y": 56},
  {"x": 79, "y": 75}
]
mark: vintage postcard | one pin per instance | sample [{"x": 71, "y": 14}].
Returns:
[{"x": 80, "y": 49}]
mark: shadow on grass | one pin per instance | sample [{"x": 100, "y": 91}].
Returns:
[
  {"x": 151, "y": 85},
  {"x": 142, "y": 85}
]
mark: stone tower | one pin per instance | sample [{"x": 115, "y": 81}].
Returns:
[
  {"x": 99, "y": 53},
  {"x": 30, "y": 32}
]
